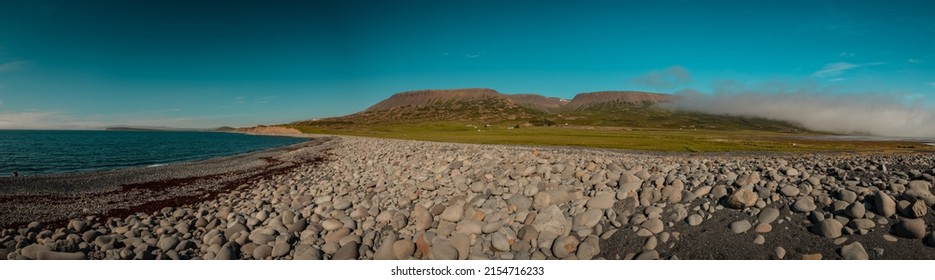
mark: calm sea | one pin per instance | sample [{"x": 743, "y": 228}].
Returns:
[{"x": 44, "y": 152}]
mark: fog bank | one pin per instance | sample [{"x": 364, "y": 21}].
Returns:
[{"x": 881, "y": 115}]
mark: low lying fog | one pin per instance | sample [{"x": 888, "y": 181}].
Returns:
[{"x": 874, "y": 114}]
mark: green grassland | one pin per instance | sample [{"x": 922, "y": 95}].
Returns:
[
  {"x": 676, "y": 140},
  {"x": 619, "y": 126}
]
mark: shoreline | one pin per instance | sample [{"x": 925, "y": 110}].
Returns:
[
  {"x": 345, "y": 197},
  {"x": 117, "y": 188}
]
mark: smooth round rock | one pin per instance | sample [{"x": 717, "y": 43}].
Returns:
[
  {"x": 885, "y": 205},
  {"x": 281, "y": 249},
  {"x": 306, "y": 252},
  {"x": 763, "y": 228},
  {"x": 854, "y": 251},
  {"x": 828, "y": 228},
  {"x": 759, "y": 240},
  {"x": 453, "y": 213},
  {"x": 262, "y": 252},
  {"x": 694, "y": 220},
  {"x": 655, "y": 226},
  {"x": 767, "y": 215},
  {"x": 910, "y": 228},
  {"x": 167, "y": 243},
  {"x": 500, "y": 242},
  {"x": 403, "y": 249},
  {"x": 789, "y": 191},
  {"x": 443, "y": 250},
  {"x": 589, "y": 218},
  {"x": 347, "y": 252},
  {"x": 856, "y": 210},
  {"x": 332, "y": 224},
  {"x": 861, "y": 224},
  {"x": 422, "y": 218},
  {"x": 804, "y": 205},
  {"x": 564, "y": 246},
  {"x": 740, "y": 226},
  {"x": 601, "y": 201},
  {"x": 64, "y": 256}
]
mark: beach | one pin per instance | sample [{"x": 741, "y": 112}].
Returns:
[{"x": 341, "y": 197}]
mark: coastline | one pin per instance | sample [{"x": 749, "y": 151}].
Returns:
[
  {"x": 54, "y": 198},
  {"x": 341, "y": 197}
]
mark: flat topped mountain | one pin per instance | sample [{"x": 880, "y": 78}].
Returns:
[
  {"x": 430, "y": 97},
  {"x": 601, "y": 98},
  {"x": 481, "y": 106}
]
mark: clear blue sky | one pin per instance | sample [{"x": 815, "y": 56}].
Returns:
[{"x": 212, "y": 63}]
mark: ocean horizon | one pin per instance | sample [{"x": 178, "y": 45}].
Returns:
[{"x": 39, "y": 152}]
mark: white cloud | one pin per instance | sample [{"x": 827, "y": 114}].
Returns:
[
  {"x": 834, "y": 69},
  {"x": 837, "y": 79},
  {"x": 820, "y": 110},
  {"x": 474, "y": 55},
  {"x": 846, "y": 54},
  {"x": 932, "y": 84},
  {"x": 13, "y": 65},
  {"x": 667, "y": 78},
  {"x": 838, "y": 68},
  {"x": 1, "y": 101},
  {"x": 913, "y": 60}
]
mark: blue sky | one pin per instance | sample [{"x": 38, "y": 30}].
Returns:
[{"x": 78, "y": 64}]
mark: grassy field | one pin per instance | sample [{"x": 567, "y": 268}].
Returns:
[{"x": 675, "y": 140}]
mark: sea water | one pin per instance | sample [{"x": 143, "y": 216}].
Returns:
[{"x": 31, "y": 152}]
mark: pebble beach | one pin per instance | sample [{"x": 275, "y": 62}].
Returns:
[{"x": 342, "y": 198}]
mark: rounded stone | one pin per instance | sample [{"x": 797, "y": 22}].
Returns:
[
  {"x": 422, "y": 218},
  {"x": 767, "y": 215},
  {"x": 348, "y": 252},
  {"x": 588, "y": 219},
  {"x": 829, "y": 228},
  {"x": 910, "y": 228},
  {"x": 601, "y": 201},
  {"x": 694, "y": 220},
  {"x": 453, "y": 213},
  {"x": 804, "y": 205},
  {"x": 500, "y": 242},
  {"x": 855, "y": 210},
  {"x": 763, "y": 228},
  {"x": 885, "y": 205},
  {"x": 262, "y": 252},
  {"x": 332, "y": 224},
  {"x": 740, "y": 226},
  {"x": 790, "y": 191},
  {"x": 759, "y": 240},
  {"x": 562, "y": 247},
  {"x": 854, "y": 251},
  {"x": 655, "y": 226},
  {"x": 443, "y": 250},
  {"x": 403, "y": 249},
  {"x": 281, "y": 249},
  {"x": 742, "y": 198},
  {"x": 167, "y": 243}
]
